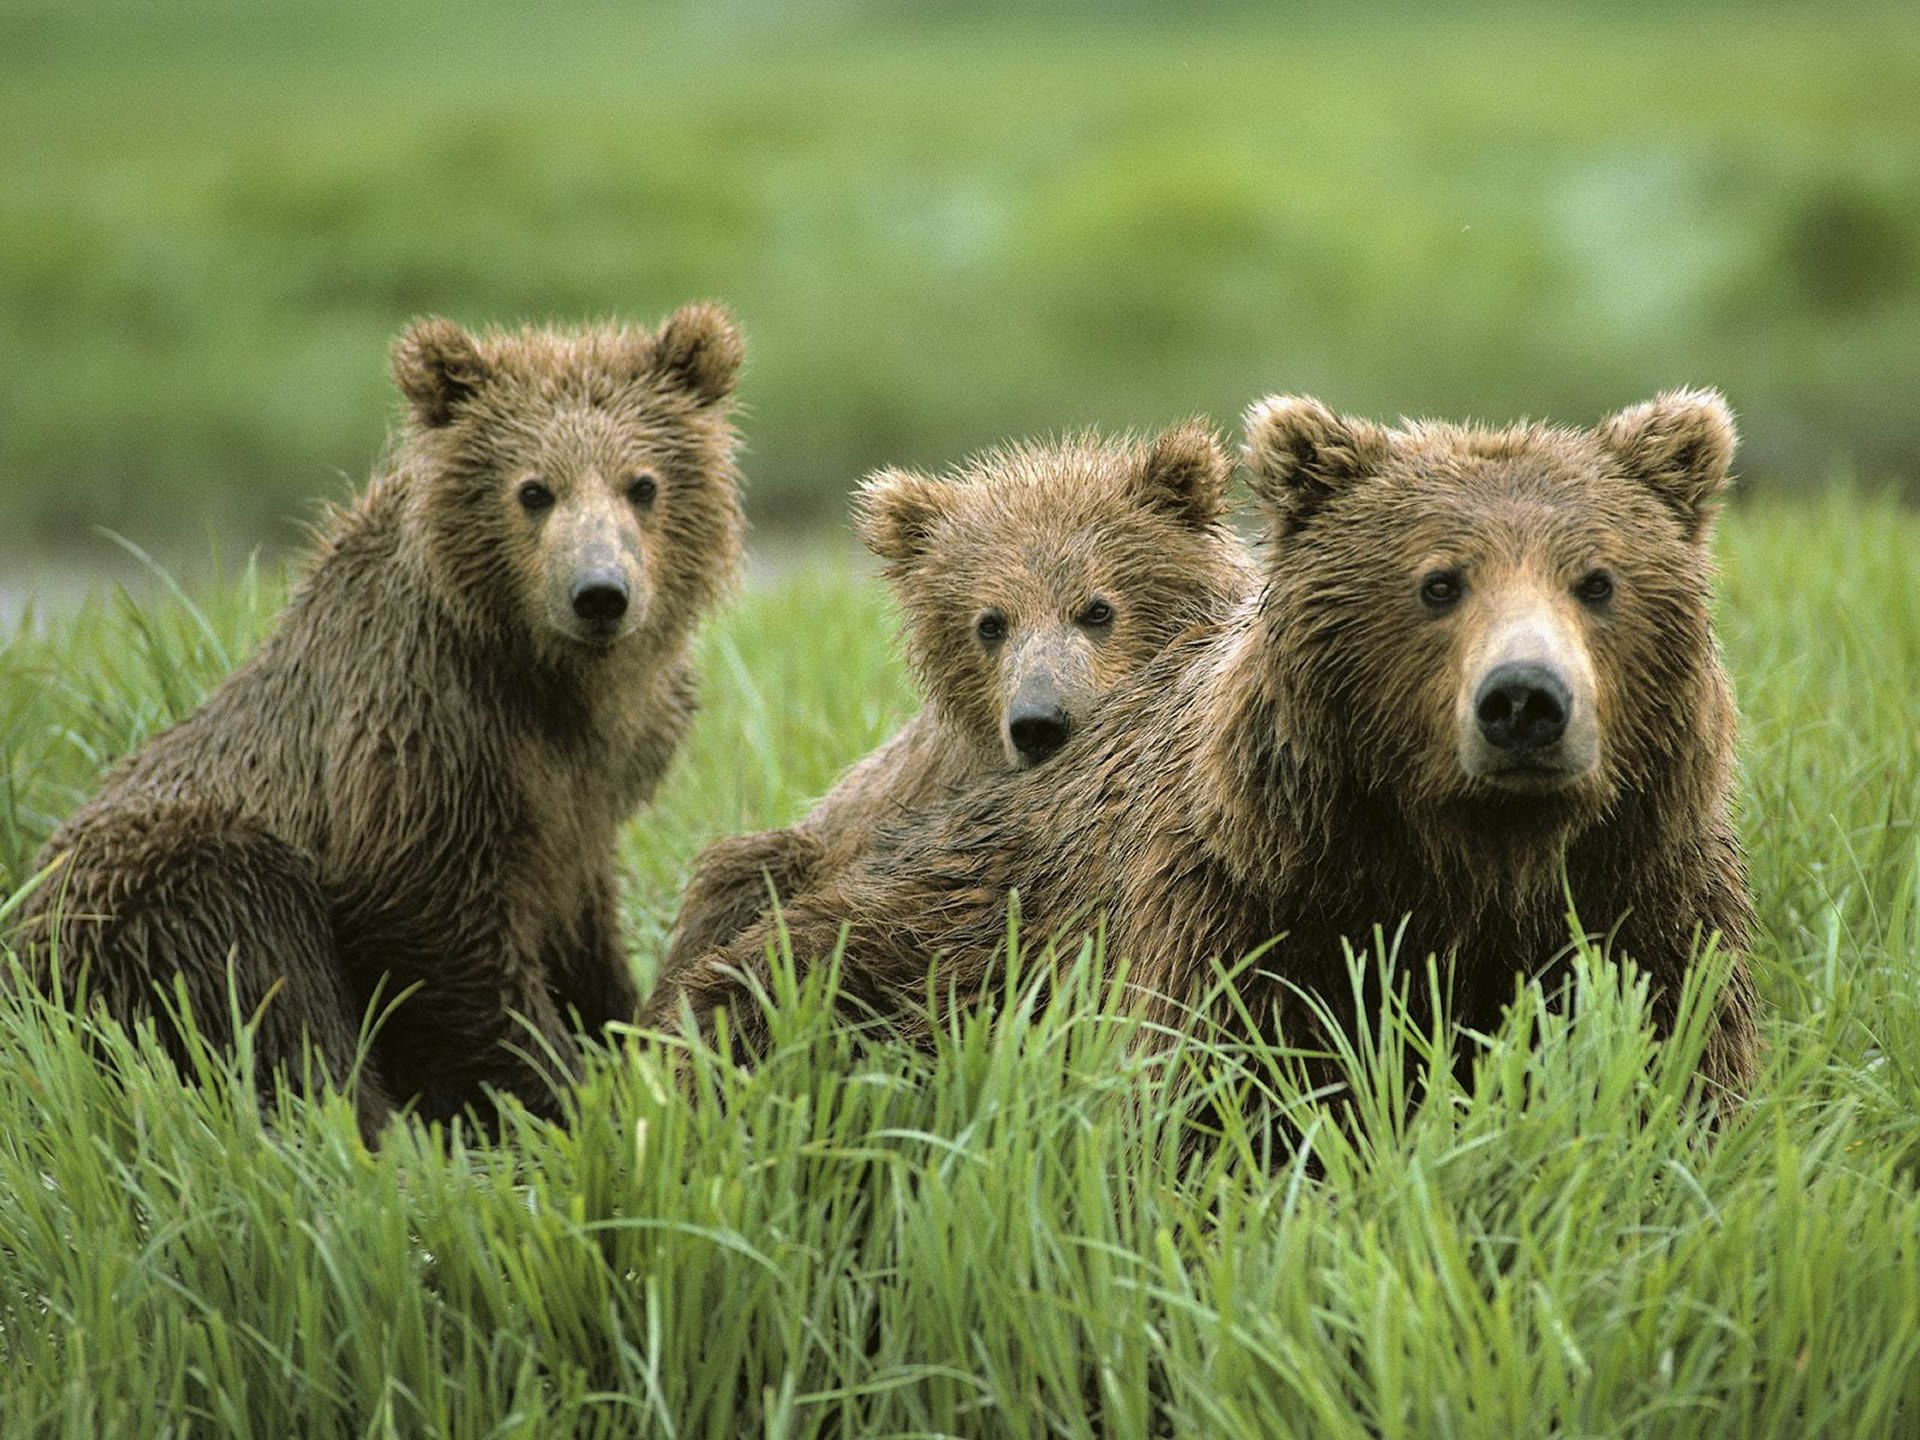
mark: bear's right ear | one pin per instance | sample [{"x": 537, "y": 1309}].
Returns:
[
  {"x": 1301, "y": 453},
  {"x": 437, "y": 367},
  {"x": 1185, "y": 475},
  {"x": 698, "y": 348},
  {"x": 895, "y": 512}
]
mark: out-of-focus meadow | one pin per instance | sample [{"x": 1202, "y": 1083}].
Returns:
[{"x": 939, "y": 225}]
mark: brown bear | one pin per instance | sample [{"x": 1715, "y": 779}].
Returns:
[
  {"x": 1030, "y": 582},
  {"x": 410, "y": 792},
  {"x": 1478, "y": 681}
]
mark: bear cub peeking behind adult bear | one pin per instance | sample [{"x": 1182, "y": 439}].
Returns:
[
  {"x": 1479, "y": 684},
  {"x": 1030, "y": 582},
  {"x": 417, "y": 779}
]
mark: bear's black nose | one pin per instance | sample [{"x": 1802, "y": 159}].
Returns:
[
  {"x": 1522, "y": 707},
  {"x": 1038, "y": 732},
  {"x": 600, "y": 599}
]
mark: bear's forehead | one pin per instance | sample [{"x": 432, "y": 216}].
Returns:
[
  {"x": 1009, "y": 559},
  {"x": 580, "y": 386},
  {"x": 1536, "y": 483},
  {"x": 1051, "y": 491},
  {"x": 610, "y": 350},
  {"x": 558, "y": 421},
  {"x": 1511, "y": 498},
  {"x": 1044, "y": 527}
]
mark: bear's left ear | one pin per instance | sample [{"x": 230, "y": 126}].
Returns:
[
  {"x": 1680, "y": 444},
  {"x": 1185, "y": 474},
  {"x": 698, "y": 348},
  {"x": 895, "y": 512},
  {"x": 1301, "y": 454},
  {"x": 438, "y": 367}
]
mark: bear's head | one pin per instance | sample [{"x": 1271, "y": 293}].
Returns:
[
  {"x": 576, "y": 487},
  {"x": 1037, "y": 576},
  {"x": 1503, "y": 632}
]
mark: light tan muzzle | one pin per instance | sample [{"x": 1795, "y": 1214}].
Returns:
[
  {"x": 1525, "y": 712},
  {"x": 1050, "y": 681},
  {"x": 595, "y": 569}
]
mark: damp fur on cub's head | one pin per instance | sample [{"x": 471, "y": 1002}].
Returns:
[
  {"x": 1035, "y": 577},
  {"x": 578, "y": 484}
]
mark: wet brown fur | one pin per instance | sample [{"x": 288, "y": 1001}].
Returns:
[
  {"x": 1291, "y": 770},
  {"x": 1033, "y": 533},
  {"x": 417, "y": 778}
]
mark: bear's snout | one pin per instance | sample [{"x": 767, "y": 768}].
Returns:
[
  {"x": 1526, "y": 715},
  {"x": 1038, "y": 721},
  {"x": 1052, "y": 687},
  {"x": 1522, "y": 707},
  {"x": 600, "y": 598},
  {"x": 1038, "y": 728}
]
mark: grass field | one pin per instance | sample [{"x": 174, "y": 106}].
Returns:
[
  {"x": 1007, "y": 1239},
  {"x": 941, "y": 225}
]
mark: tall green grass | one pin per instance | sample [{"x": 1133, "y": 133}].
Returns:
[{"x": 1009, "y": 1237}]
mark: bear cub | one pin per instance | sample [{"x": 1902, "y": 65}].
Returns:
[
  {"x": 1030, "y": 582},
  {"x": 409, "y": 794}
]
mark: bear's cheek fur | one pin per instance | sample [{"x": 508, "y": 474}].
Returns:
[
  {"x": 1366, "y": 678},
  {"x": 1116, "y": 655},
  {"x": 1405, "y": 730},
  {"x": 688, "y": 540},
  {"x": 1651, "y": 655},
  {"x": 957, "y": 675}
]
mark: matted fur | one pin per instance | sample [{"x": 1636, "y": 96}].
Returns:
[
  {"x": 417, "y": 777},
  {"x": 1290, "y": 770},
  {"x": 1033, "y": 532}
]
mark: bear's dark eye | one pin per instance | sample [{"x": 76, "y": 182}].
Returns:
[
  {"x": 534, "y": 497},
  {"x": 1595, "y": 589},
  {"x": 991, "y": 627},
  {"x": 641, "y": 489},
  {"x": 1097, "y": 614},
  {"x": 1442, "y": 589}
]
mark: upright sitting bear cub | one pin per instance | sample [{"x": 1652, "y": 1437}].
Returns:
[
  {"x": 417, "y": 778},
  {"x": 1480, "y": 677},
  {"x": 1030, "y": 584}
]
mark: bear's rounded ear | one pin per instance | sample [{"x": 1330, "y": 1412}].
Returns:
[
  {"x": 895, "y": 512},
  {"x": 699, "y": 349},
  {"x": 438, "y": 367},
  {"x": 1680, "y": 444},
  {"x": 1300, "y": 453},
  {"x": 1184, "y": 475}
]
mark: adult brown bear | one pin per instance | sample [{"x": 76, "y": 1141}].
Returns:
[{"x": 417, "y": 778}]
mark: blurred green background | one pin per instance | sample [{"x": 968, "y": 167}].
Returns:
[{"x": 940, "y": 225}]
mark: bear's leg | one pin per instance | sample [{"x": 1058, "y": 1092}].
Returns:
[
  {"x": 594, "y": 978},
  {"x": 448, "y": 1047},
  {"x": 728, "y": 891},
  {"x": 734, "y": 978},
  {"x": 723, "y": 980},
  {"x": 191, "y": 896}
]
